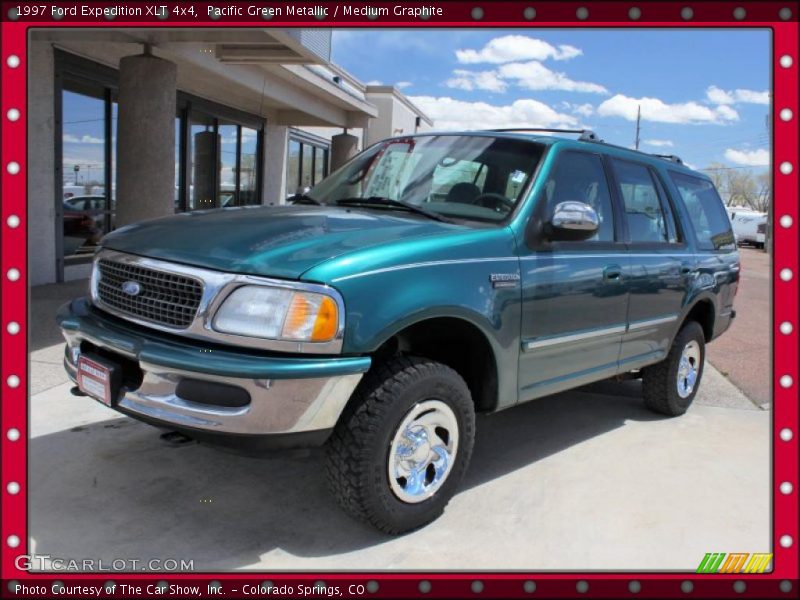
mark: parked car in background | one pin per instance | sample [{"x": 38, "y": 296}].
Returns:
[
  {"x": 86, "y": 219},
  {"x": 749, "y": 226},
  {"x": 430, "y": 278}
]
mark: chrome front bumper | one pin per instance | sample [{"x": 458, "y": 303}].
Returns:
[{"x": 279, "y": 402}]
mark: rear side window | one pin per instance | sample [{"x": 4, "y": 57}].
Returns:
[
  {"x": 579, "y": 176},
  {"x": 706, "y": 212},
  {"x": 644, "y": 210}
]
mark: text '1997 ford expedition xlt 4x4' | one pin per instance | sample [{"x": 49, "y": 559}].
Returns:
[{"x": 431, "y": 277}]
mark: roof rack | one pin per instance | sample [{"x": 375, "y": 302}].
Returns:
[
  {"x": 587, "y": 135},
  {"x": 670, "y": 157}
]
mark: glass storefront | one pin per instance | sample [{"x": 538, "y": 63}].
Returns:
[
  {"x": 306, "y": 164},
  {"x": 84, "y": 207},
  {"x": 217, "y": 156}
]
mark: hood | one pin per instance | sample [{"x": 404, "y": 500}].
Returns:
[{"x": 283, "y": 241}]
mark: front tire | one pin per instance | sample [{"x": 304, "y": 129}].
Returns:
[
  {"x": 401, "y": 448},
  {"x": 670, "y": 386}
]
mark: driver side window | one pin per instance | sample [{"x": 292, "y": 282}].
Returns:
[{"x": 579, "y": 176}]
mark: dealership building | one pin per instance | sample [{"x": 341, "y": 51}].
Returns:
[{"x": 130, "y": 124}]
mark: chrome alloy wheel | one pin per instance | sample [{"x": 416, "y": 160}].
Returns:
[
  {"x": 688, "y": 368},
  {"x": 423, "y": 451}
]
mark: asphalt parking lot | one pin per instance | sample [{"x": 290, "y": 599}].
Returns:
[
  {"x": 744, "y": 353},
  {"x": 586, "y": 480}
]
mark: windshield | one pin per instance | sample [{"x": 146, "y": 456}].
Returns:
[{"x": 464, "y": 177}]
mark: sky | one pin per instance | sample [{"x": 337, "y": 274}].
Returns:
[{"x": 704, "y": 94}]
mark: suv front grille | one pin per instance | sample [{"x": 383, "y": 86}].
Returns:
[{"x": 163, "y": 298}]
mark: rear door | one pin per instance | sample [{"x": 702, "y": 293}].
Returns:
[
  {"x": 574, "y": 296},
  {"x": 659, "y": 265}
]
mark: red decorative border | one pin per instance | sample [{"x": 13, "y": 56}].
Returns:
[{"x": 781, "y": 583}]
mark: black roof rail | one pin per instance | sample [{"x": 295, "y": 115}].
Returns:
[
  {"x": 587, "y": 135},
  {"x": 670, "y": 157}
]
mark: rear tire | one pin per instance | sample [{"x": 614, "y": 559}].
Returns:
[
  {"x": 670, "y": 386},
  {"x": 403, "y": 444}
]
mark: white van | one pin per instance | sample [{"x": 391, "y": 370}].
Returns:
[{"x": 749, "y": 226}]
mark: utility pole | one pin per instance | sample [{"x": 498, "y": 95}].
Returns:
[{"x": 638, "y": 121}]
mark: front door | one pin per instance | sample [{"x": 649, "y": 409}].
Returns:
[{"x": 574, "y": 294}]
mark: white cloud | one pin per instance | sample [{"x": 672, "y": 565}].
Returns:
[
  {"x": 84, "y": 139},
  {"x": 748, "y": 158},
  {"x": 585, "y": 110},
  {"x": 510, "y": 48},
  {"x": 450, "y": 114},
  {"x": 654, "y": 109},
  {"x": 400, "y": 85},
  {"x": 719, "y": 96},
  {"x": 659, "y": 143},
  {"x": 476, "y": 80},
  {"x": 534, "y": 75},
  {"x": 374, "y": 82}
]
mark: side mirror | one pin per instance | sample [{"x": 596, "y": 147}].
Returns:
[{"x": 573, "y": 221}]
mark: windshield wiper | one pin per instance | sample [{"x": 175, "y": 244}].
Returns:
[
  {"x": 304, "y": 199},
  {"x": 382, "y": 201}
]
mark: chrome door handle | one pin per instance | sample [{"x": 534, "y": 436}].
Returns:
[{"x": 612, "y": 274}]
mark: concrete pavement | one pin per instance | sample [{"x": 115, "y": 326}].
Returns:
[{"x": 582, "y": 480}]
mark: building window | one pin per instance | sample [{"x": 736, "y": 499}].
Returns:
[
  {"x": 85, "y": 201},
  {"x": 218, "y": 153},
  {"x": 306, "y": 164},
  {"x": 222, "y": 158},
  {"x": 293, "y": 167}
]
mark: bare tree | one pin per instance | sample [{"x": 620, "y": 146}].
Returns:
[{"x": 740, "y": 187}]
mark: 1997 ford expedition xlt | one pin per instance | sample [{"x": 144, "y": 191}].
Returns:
[{"x": 430, "y": 278}]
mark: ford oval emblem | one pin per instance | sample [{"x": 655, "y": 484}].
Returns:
[{"x": 132, "y": 288}]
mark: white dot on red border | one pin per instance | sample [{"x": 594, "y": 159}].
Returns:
[
  {"x": 13, "y": 274},
  {"x": 786, "y": 381},
  {"x": 786, "y": 221},
  {"x": 786, "y": 168},
  {"x": 12, "y": 381},
  {"x": 12, "y": 221},
  {"x": 12, "y": 488},
  {"x": 12, "y": 541},
  {"x": 12, "y": 114},
  {"x": 786, "y": 541},
  {"x": 12, "y": 328},
  {"x": 13, "y": 434},
  {"x": 786, "y": 61},
  {"x": 786, "y": 114},
  {"x": 786, "y": 274},
  {"x": 786, "y": 488},
  {"x": 13, "y": 61},
  {"x": 786, "y": 434},
  {"x": 786, "y": 328},
  {"x": 12, "y": 167}
]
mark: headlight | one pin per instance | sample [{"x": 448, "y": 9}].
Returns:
[{"x": 278, "y": 314}]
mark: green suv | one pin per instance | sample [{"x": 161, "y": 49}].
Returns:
[{"x": 430, "y": 278}]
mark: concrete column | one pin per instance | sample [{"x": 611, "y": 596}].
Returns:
[
  {"x": 343, "y": 147},
  {"x": 276, "y": 147},
  {"x": 206, "y": 146},
  {"x": 145, "y": 139},
  {"x": 41, "y": 185}
]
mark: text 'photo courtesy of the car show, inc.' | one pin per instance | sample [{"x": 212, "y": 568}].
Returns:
[{"x": 399, "y": 299}]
